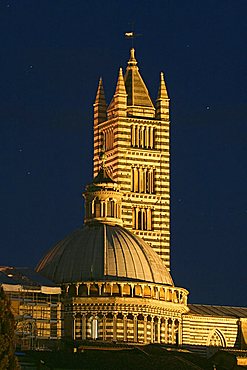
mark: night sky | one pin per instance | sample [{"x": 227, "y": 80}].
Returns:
[{"x": 52, "y": 55}]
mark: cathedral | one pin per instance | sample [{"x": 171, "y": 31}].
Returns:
[{"x": 110, "y": 279}]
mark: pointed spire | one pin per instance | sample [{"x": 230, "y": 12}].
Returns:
[
  {"x": 120, "y": 88},
  {"x": 138, "y": 95},
  {"x": 118, "y": 104},
  {"x": 132, "y": 61},
  {"x": 162, "y": 94},
  {"x": 162, "y": 101},
  {"x": 100, "y": 95},
  {"x": 100, "y": 104}
]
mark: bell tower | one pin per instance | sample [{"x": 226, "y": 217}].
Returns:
[{"x": 133, "y": 134}]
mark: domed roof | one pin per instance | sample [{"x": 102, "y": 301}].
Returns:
[{"x": 102, "y": 252}]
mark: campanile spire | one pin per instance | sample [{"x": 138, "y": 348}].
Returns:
[
  {"x": 135, "y": 139},
  {"x": 132, "y": 61},
  {"x": 162, "y": 101}
]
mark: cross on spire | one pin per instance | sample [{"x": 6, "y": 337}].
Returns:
[{"x": 132, "y": 35}]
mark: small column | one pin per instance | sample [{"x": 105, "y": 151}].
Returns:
[
  {"x": 133, "y": 218},
  {"x": 180, "y": 337},
  {"x": 135, "y": 328},
  {"x": 84, "y": 327},
  {"x": 152, "y": 329},
  {"x": 138, "y": 136},
  {"x": 166, "y": 331},
  {"x": 125, "y": 327},
  {"x": 132, "y": 290},
  {"x": 145, "y": 173},
  {"x": 159, "y": 323},
  {"x": 133, "y": 135},
  {"x": 145, "y": 328},
  {"x": 73, "y": 327},
  {"x": 173, "y": 331},
  {"x": 142, "y": 137},
  {"x": 136, "y": 179},
  {"x": 151, "y": 137},
  {"x": 114, "y": 336},
  {"x": 137, "y": 209},
  {"x": 148, "y": 136}
]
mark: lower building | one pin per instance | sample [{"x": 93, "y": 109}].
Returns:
[{"x": 35, "y": 303}]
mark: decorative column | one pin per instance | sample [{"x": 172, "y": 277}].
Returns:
[
  {"x": 147, "y": 136},
  {"x": 133, "y": 136},
  {"x": 135, "y": 322},
  {"x": 145, "y": 328},
  {"x": 166, "y": 331},
  {"x": 125, "y": 327},
  {"x": 151, "y": 137},
  {"x": 180, "y": 338},
  {"x": 142, "y": 137},
  {"x": 114, "y": 335},
  {"x": 173, "y": 331},
  {"x": 73, "y": 327},
  {"x": 84, "y": 327},
  {"x": 159, "y": 323},
  {"x": 104, "y": 327},
  {"x": 152, "y": 329},
  {"x": 132, "y": 290},
  {"x": 133, "y": 218},
  {"x": 145, "y": 180}
]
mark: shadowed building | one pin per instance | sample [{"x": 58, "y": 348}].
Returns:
[{"x": 35, "y": 303}]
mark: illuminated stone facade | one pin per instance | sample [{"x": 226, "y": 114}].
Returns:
[
  {"x": 125, "y": 312},
  {"x": 133, "y": 135},
  {"x": 114, "y": 286},
  {"x": 131, "y": 296}
]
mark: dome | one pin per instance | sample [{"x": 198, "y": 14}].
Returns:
[{"x": 103, "y": 252}]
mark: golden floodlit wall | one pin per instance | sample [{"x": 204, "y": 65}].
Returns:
[{"x": 133, "y": 135}]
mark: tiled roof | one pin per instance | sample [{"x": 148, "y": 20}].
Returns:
[
  {"x": 136, "y": 89},
  {"x": 211, "y": 310},
  {"x": 23, "y": 276}
]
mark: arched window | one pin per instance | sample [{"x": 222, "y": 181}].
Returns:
[
  {"x": 94, "y": 290},
  {"x": 216, "y": 339},
  {"x": 82, "y": 291},
  {"x": 107, "y": 139},
  {"x": 96, "y": 207},
  {"x": 126, "y": 290},
  {"x": 142, "y": 218},
  {"x": 142, "y": 136},
  {"x": 142, "y": 180},
  {"x": 138, "y": 291},
  {"x": 72, "y": 291}
]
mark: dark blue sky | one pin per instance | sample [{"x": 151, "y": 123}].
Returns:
[{"x": 52, "y": 54}]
